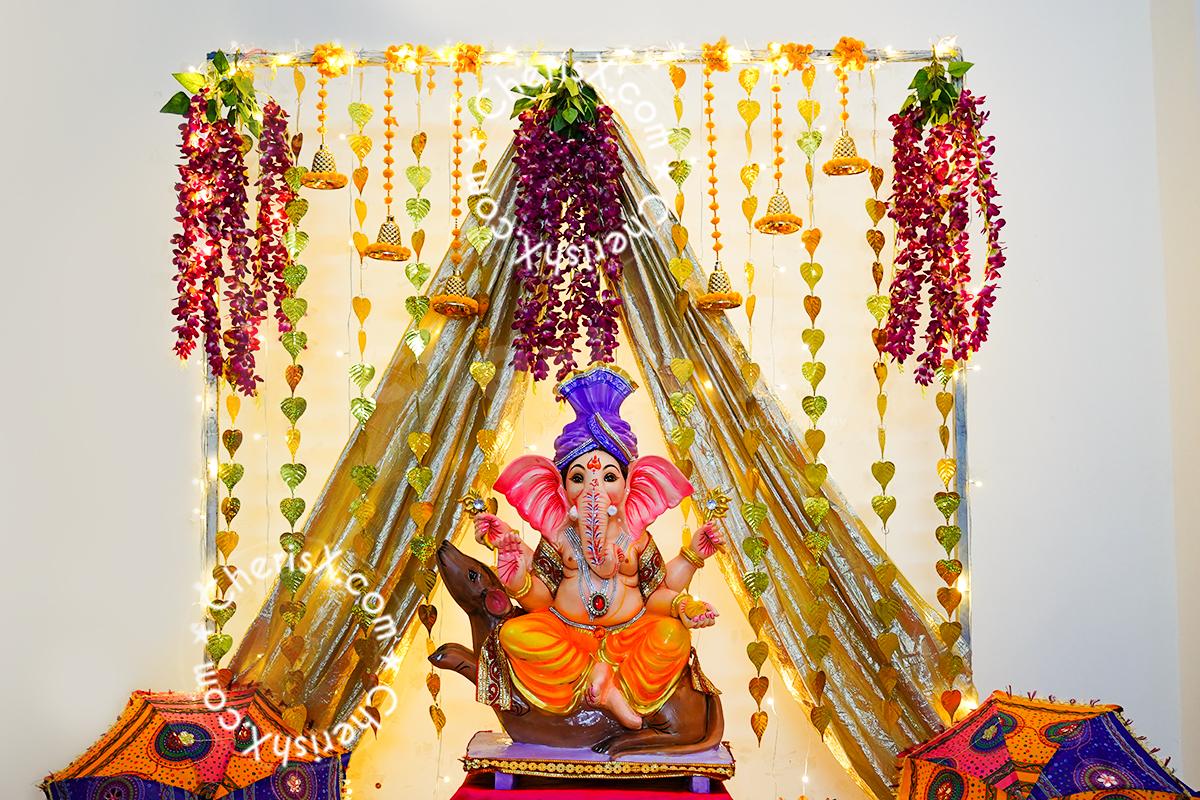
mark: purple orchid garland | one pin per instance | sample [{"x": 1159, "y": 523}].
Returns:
[
  {"x": 568, "y": 214},
  {"x": 213, "y": 246},
  {"x": 938, "y": 173}
]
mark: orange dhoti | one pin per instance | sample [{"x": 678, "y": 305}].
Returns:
[{"x": 551, "y": 661}]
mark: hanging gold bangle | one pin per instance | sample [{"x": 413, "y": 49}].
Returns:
[
  {"x": 692, "y": 556},
  {"x": 679, "y": 602},
  {"x": 525, "y": 589}
]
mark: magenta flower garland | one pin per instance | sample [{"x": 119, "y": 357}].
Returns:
[
  {"x": 942, "y": 163},
  {"x": 569, "y": 219},
  {"x": 213, "y": 246}
]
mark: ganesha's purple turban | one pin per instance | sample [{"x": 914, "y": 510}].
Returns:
[{"x": 596, "y": 394}]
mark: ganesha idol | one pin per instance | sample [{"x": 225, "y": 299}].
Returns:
[{"x": 599, "y": 650}]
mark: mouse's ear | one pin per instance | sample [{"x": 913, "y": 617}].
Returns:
[{"x": 534, "y": 488}]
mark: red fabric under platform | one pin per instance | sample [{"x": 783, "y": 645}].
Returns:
[{"x": 479, "y": 787}]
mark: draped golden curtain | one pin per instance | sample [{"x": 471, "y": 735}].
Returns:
[
  {"x": 662, "y": 326},
  {"x": 449, "y": 405}
]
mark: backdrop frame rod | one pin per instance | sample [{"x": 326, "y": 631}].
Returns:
[{"x": 652, "y": 56}]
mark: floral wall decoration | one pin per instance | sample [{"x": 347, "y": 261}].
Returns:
[
  {"x": 568, "y": 223},
  {"x": 943, "y": 164}
]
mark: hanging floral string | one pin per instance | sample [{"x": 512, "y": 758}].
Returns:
[
  {"x": 943, "y": 162},
  {"x": 849, "y": 56},
  {"x": 229, "y": 472},
  {"x": 568, "y": 224},
  {"x": 388, "y": 244},
  {"x": 679, "y": 169},
  {"x": 331, "y": 61},
  {"x": 720, "y": 294},
  {"x": 452, "y": 299},
  {"x": 749, "y": 109},
  {"x": 779, "y": 219},
  {"x": 274, "y": 194}
]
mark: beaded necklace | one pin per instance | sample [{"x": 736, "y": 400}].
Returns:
[{"x": 595, "y": 598}]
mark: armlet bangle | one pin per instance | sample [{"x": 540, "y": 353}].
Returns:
[
  {"x": 679, "y": 602},
  {"x": 692, "y": 556},
  {"x": 525, "y": 589}
]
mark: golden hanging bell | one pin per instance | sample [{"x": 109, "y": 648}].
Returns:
[
  {"x": 324, "y": 174},
  {"x": 388, "y": 245},
  {"x": 845, "y": 159},
  {"x": 779, "y": 219},
  {"x": 453, "y": 300},
  {"x": 720, "y": 295}
]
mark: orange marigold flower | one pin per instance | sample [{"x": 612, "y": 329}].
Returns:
[
  {"x": 331, "y": 60},
  {"x": 715, "y": 56},
  {"x": 849, "y": 53},
  {"x": 468, "y": 58},
  {"x": 797, "y": 55}
]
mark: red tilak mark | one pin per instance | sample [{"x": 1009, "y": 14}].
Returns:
[{"x": 594, "y": 463}]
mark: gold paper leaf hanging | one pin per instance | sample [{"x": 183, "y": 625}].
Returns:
[
  {"x": 876, "y": 209},
  {"x": 682, "y": 369},
  {"x": 489, "y": 471},
  {"x": 418, "y": 143},
  {"x": 883, "y": 472},
  {"x": 758, "y": 688},
  {"x": 360, "y": 242},
  {"x": 679, "y": 235},
  {"x": 421, "y": 513},
  {"x": 758, "y": 724},
  {"x": 749, "y": 208},
  {"x": 821, "y": 716},
  {"x": 678, "y": 76},
  {"x": 681, "y": 269},
  {"x": 748, "y": 78},
  {"x": 233, "y": 404},
  {"x": 758, "y": 618},
  {"x": 749, "y": 174},
  {"x": 888, "y": 643},
  {"x": 949, "y": 633},
  {"x": 682, "y": 437},
  {"x": 227, "y": 541},
  {"x": 439, "y": 718},
  {"x": 360, "y": 144},
  {"x": 748, "y": 110},
  {"x": 483, "y": 337},
  {"x": 360, "y": 211},
  {"x": 757, "y": 653},
  {"x": 815, "y": 474},
  {"x": 750, "y": 304},
  {"x": 360, "y": 178},
  {"x": 945, "y": 402},
  {"x": 809, "y": 110},
  {"x": 751, "y": 372},
  {"x": 483, "y": 372},
  {"x": 486, "y": 439},
  {"x": 298, "y": 80},
  {"x": 362, "y": 308},
  {"x": 419, "y": 478},
  {"x": 682, "y": 403},
  {"x": 419, "y": 442},
  {"x": 815, "y": 439}
]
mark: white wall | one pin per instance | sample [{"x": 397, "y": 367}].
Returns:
[{"x": 1078, "y": 546}]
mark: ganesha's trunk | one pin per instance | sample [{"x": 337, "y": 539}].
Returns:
[{"x": 591, "y": 507}]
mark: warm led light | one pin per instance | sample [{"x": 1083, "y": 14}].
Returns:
[
  {"x": 339, "y": 354},
  {"x": 946, "y": 47},
  {"x": 708, "y": 384},
  {"x": 736, "y": 56}
]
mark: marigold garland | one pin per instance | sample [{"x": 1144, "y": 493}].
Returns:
[
  {"x": 779, "y": 219},
  {"x": 331, "y": 61},
  {"x": 720, "y": 294},
  {"x": 849, "y": 56},
  {"x": 388, "y": 244},
  {"x": 452, "y": 299}
]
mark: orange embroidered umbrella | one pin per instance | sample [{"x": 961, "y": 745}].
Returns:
[
  {"x": 210, "y": 745},
  {"x": 1015, "y": 748}
]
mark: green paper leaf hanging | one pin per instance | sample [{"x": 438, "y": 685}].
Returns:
[
  {"x": 364, "y": 476},
  {"x": 479, "y": 237},
  {"x": 360, "y": 114},
  {"x": 816, "y": 508},
  {"x": 678, "y": 138},
  {"x": 417, "y": 208},
  {"x": 293, "y": 408},
  {"x": 361, "y": 374},
  {"x": 294, "y": 275},
  {"x": 479, "y": 107},
  {"x": 295, "y": 177},
  {"x": 417, "y": 273},
  {"x": 295, "y": 210},
  {"x": 218, "y": 645},
  {"x": 755, "y": 548},
  {"x": 295, "y": 241},
  {"x": 294, "y": 308},
  {"x": 417, "y": 341},
  {"x": 417, "y": 306},
  {"x": 230, "y": 474},
  {"x": 679, "y": 171},
  {"x": 292, "y": 579},
  {"x": 422, "y": 547},
  {"x": 361, "y": 408},
  {"x": 418, "y": 176},
  {"x": 758, "y": 652},
  {"x": 419, "y": 478},
  {"x": 809, "y": 141},
  {"x": 814, "y": 406},
  {"x": 293, "y": 474},
  {"x": 754, "y": 513},
  {"x": 291, "y": 508},
  {"x": 294, "y": 341}
]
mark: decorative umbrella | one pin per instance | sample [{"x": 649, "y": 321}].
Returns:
[
  {"x": 1015, "y": 748},
  {"x": 171, "y": 745}
]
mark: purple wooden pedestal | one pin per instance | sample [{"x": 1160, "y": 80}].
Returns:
[{"x": 496, "y": 753}]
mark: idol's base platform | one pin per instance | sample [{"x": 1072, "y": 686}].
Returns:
[{"x": 554, "y": 772}]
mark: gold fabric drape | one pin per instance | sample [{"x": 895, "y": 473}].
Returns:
[
  {"x": 662, "y": 326},
  {"x": 449, "y": 406}
]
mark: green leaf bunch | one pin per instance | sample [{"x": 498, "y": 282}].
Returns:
[
  {"x": 230, "y": 93},
  {"x": 934, "y": 91},
  {"x": 571, "y": 100}
]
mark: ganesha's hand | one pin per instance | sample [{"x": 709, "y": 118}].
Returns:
[
  {"x": 510, "y": 560},
  {"x": 698, "y": 614},
  {"x": 708, "y": 539},
  {"x": 489, "y": 529}
]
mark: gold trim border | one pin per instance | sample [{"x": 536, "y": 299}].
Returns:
[{"x": 590, "y": 769}]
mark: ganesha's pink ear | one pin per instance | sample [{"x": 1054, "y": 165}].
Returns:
[
  {"x": 534, "y": 488},
  {"x": 655, "y": 485}
]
